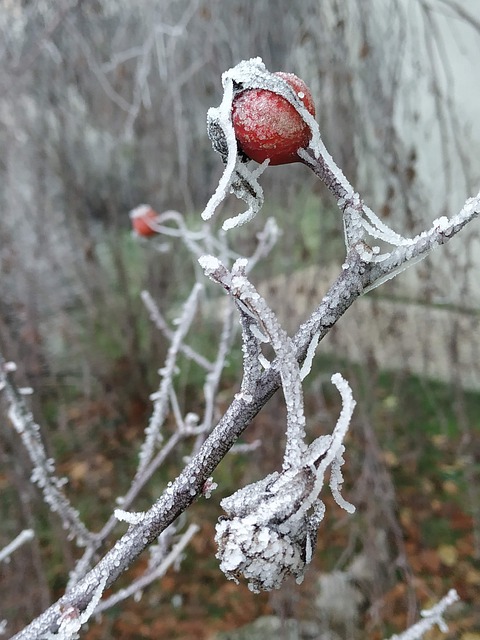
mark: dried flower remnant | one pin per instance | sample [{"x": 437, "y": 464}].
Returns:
[{"x": 271, "y": 526}]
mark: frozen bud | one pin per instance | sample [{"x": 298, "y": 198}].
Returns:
[{"x": 268, "y": 535}]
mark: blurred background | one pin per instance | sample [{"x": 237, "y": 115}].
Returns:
[{"x": 102, "y": 107}]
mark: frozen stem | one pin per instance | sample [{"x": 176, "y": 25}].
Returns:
[{"x": 43, "y": 472}]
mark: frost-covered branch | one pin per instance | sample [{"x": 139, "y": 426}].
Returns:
[
  {"x": 43, "y": 473},
  {"x": 431, "y": 618},
  {"x": 153, "y": 434},
  {"x": 23, "y": 536},
  {"x": 153, "y": 573},
  {"x": 271, "y": 527},
  {"x": 264, "y": 327},
  {"x": 161, "y": 324}
]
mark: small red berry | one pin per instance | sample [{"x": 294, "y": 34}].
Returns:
[
  {"x": 143, "y": 220},
  {"x": 267, "y": 126}
]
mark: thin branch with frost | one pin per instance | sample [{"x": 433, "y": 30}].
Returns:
[
  {"x": 382, "y": 268},
  {"x": 266, "y": 328},
  {"x": 23, "y": 536},
  {"x": 431, "y": 618},
  {"x": 212, "y": 379},
  {"x": 43, "y": 472},
  {"x": 159, "y": 321},
  {"x": 269, "y": 533},
  {"x": 152, "y": 573},
  {"x": 160, "y": 407}
]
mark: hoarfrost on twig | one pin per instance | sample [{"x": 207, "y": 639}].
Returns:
[
  {"x": 431, "y": 617},
  {"x": 23, "y": 536},
  {"x": 43, "y": 471},
  {"x": 152, "y": 432},
  {"x": 271, "y": 526}
]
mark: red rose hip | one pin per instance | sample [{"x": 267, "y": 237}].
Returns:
[
  {"x": 143, "y": 220},
  {"x": 267, "y": 126}
]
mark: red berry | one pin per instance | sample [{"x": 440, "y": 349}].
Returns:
[
  {"x": 143, "y": 220},
  {"x": 268, "y": 126}
]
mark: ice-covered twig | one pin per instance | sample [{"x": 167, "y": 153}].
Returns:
[
  {"x": 43, "y": 473},
  {"x": 161, "y": 324},
  {"x": 152, "y": 573},
  {"x": 382, "y": 268},
  {"x": 271, "y": 525},
  {"x": 358, "y": 218},
  {"x": 267, "y": 239},
  {"x": 431, "y": 617},
  {"x": 23, "y": 536},
  {"x": 212, "y": 380},
  {"x": 152, "y": 433},
  {"x": 265, "y": 325}
]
